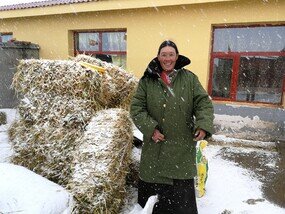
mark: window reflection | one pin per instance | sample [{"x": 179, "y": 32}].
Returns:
[
  {"x": 260, "y": 79},
  {"x": 249, "y": 39},
  {"x": 88, "y": 41},
  {"x": 222, "y": 75},
  {"x": 114, "y": 41},
  {"x": 5, "y": 37}
]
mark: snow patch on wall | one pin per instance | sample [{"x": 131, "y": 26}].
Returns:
[
  {"x": 223, "y": 140},
  {"x": 245, "y": 127},
  {"x": 238, "y": 106}
]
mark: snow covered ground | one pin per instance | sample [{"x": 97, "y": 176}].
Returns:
[{"x": 229, "y": 189}]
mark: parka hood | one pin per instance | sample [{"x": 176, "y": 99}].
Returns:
[{"x": 154, "y": 68}]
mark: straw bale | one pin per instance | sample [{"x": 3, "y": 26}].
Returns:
[
  {"x": 37, "y": 107},
  {"x": 101, "y": 162},
  {"x": 58, "y": 76},
  {"x": 133, "y": 172},
  {"x": 58, "y": 102},
  {"x": 118, "y": 85},
  {"x": 113, "y": 88},
  {"x": 3, "y": 118},
  {"x": 59, "y": 98},
  {"x": 46, "y": 150}
]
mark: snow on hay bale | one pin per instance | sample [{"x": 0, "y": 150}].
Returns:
[
  {"x": 59, "y": 98},
  {"x": 56, "y": 106},
  {"x": 45, "y": 150},
  {"x": 117, "y": 86},
  {"x": 112, "y": 88},
  {"x": 59, "y": 76},
  {"x": 133, "y": 175},
  {"x": 56, "y": 110},
  {"x": 36, "y": 78},
  {"x": 3, "y": 118},
  {"x": 101, "y": 162}
]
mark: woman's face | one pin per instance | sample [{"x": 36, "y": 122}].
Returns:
[{"x": 167, "y": 58}]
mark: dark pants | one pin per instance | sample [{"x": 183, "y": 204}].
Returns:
[{"x": 178, "y": 198}]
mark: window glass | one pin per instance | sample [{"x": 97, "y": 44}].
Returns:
[
  {"x": 114, "y": 41},
  {"x": 88, "y": 41},
  {"x": 222, "y": 75},
  {"x": 260, "y": 78},
  {"x": 249, "y": 39},
  {"x": 119, "y": 60},
  {"x": 107, "y": 46},
  {"x": 6, "y": 37}
]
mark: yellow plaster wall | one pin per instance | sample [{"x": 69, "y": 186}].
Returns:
[{"x": 188, "y": 25}]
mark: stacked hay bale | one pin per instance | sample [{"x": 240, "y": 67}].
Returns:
[
  {"x": 133, "y": 174},
  {"x": 45, "y": 150},
  {"x": 55, "y": 108},
  {"x": 59, "y": 98},
  {"x": 101, "y": 162},
  {"x": 40, "y": 81},
  {"x": 3, "y": 118},
  {"x": 117, "y": 92}
]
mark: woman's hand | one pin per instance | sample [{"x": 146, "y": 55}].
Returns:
[
  {"x": 157, "y": 136},
  {"x": 200, "y": 134}
]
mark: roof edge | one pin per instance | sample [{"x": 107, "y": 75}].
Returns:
[
  {"x": 46, "y": 3},
  {"x": 55, "y": 7}
]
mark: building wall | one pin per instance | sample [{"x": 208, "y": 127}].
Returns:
[{"x": 148, "y": 23}]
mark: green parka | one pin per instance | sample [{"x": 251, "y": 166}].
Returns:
[{"x": 177, "y": 112}]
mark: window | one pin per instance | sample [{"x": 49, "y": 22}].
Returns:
[
  {"x": 5, "y": 37},
  {"x": 109, "y": 46},
  {"x": 248, "y": 64}
]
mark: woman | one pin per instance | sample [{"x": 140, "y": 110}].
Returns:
[{"x": 167, "y": 100}]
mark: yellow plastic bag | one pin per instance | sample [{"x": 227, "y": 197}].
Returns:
[{"x": 202, "y": 169}]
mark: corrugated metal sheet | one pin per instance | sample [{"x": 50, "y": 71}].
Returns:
[{"x": 41, "y": 4}]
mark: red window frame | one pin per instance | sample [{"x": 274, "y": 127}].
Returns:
[
  {"x": 235, "y": 70},
  {"x": 100, "y": 32}
]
